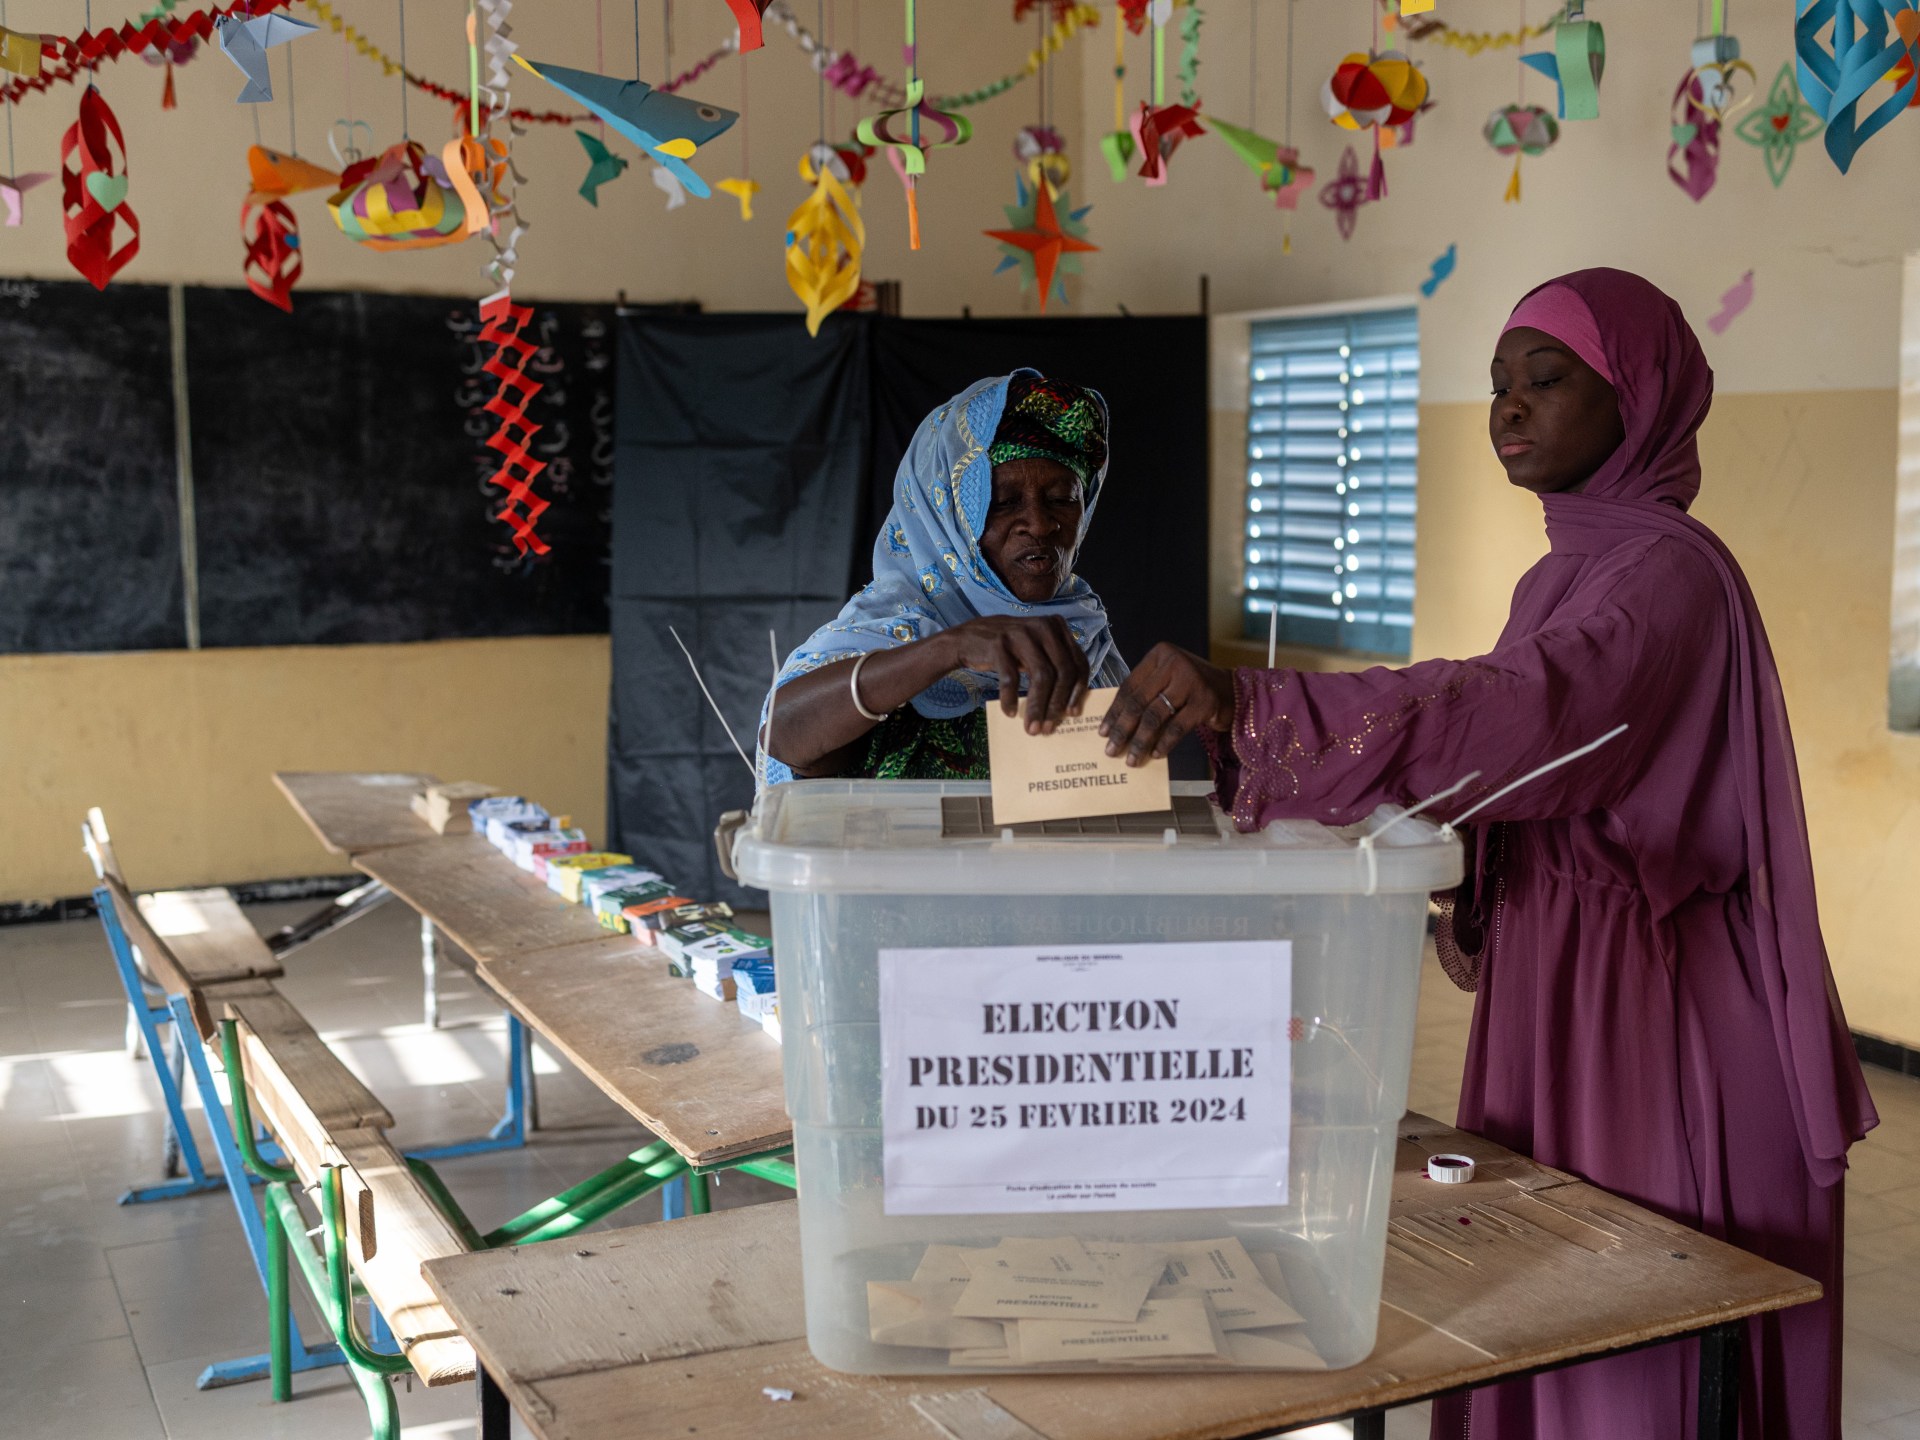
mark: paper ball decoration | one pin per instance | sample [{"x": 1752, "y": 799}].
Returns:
[
  {"x": 1521, "y": 130},
  {"x": 400, "y": 199},
  {"x": 1363, "y": 91}
]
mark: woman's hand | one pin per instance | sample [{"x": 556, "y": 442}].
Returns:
[
  {"x": 1169, "y": 693},
  {"x": 1041, "y": 648}
]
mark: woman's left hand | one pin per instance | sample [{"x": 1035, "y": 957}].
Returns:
[{"x": 1170, "y": 693}]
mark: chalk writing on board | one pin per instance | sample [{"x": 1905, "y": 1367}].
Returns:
[{"x": 21, "y": 292}]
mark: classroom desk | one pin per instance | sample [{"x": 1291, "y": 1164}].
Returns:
[
  {"x": 689, "y": 1068},
  {"x": 673, "y": 1329}
]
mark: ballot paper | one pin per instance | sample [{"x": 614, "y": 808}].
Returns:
[
  {"x": 1163, "y": 1328},
  {"x": 1067, "y": 775},
  {"x": 1241, "y": 1296},
  {"x": 564, "y": 873},
  {"x": 1018, "y": 1279},
  {"x": 913, "y": 1312}
]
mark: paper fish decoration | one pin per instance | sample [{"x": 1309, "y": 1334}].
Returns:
[
  {"x": 13, "y": 187},
  {"x": 1731, "y": 304},
  {"x": 825, "y": 238},
  {"x": 93, "y": 192},
  {"x": 1441, "y": 269},
  {"x": 276, "y": 176},
  {"x": 747, "y": 14},
  {"x": 667, "y": 128},
  {"x": 743, "y": 191},
  {"x": 1858, "y": 55},
  {"x": 1041, "y": 244},
  {"x": 246, "y": 42},
  {"x": 400, "y": 199},
  {"x": 602, "y": 165},
  {"x": 1781, "y": 124}
]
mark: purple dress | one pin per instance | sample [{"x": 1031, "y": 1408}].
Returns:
[{"x": 1654, "y": 1011}]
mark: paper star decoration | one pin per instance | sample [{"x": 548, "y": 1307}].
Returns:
[
  {"x": 1779, "y": 126},
  {"x": 602, "y": 165},
  {"x": 1345, "y": 193},
  {"x": 246, "y": 42},
  {"x": 743, "y": 191},
  {"x": 667, "y": 128},
  {"x": 1041, "y": 244},
  {"x": 12, "y": 187}
]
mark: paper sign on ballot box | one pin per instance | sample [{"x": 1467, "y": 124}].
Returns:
[
  {"x": 1062, "y": 1079},
  {"x": 1067, "y": 775}
]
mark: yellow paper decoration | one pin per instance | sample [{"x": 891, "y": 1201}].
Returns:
[
  {"x": 742, "y": 190},
  {"x": 354, "y": 38},
  {"x": 825, "y": 236}
]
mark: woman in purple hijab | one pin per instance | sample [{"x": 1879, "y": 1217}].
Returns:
[{"x": 1654, "y": 1008}]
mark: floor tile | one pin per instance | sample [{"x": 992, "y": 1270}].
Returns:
[
  {"x": 93, "y": 1389},
  {"x": 1879, "y": 1380}
]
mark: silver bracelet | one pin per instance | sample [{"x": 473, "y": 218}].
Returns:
[{"x": 853, "y": 688}]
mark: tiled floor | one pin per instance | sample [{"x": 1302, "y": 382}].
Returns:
[{"x": 109, "y": 1313}]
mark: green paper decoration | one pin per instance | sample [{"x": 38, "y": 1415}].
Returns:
[{"x": 1778, "y": 127}]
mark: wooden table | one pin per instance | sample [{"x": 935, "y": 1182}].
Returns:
[
  {"x": 675, "y": 1329},
  {"x": 356, "y": 812},
  {"x": 691, "y": 1069}
]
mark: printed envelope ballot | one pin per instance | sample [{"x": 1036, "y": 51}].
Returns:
[
  {"x": 1062, "y": 1304},
  {"x": 1067, "y": 775}
]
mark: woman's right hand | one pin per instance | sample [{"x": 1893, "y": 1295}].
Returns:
[{"x": 1040, "y": 647}]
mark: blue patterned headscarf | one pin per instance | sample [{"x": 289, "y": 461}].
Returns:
[{"x": 929, "y": 574}]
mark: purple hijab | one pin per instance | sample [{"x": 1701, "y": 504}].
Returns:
[{"x": 1665, "y": 386}]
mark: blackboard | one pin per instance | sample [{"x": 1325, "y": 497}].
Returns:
[
  {"x": 89, "y": 515},
  {"x": 340, "y": 471}
]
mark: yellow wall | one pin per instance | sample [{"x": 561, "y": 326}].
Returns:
[{"x": 178, "y": 747}]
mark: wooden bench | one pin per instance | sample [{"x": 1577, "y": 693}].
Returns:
[{"x": 323, "y": 1117}]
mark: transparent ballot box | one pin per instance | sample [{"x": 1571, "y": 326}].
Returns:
[{"x": 1093, "y": 1096}]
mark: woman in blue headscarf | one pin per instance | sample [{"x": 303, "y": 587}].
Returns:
[{"x": 973, "y": 595}]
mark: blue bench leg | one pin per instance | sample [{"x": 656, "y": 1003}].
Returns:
[
  {"x": 239, "y": 1186},
  {"x": 510, "y": 1132}
]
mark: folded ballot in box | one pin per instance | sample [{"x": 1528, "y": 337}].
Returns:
[
  {"x": 448, "y": 808},
  {"x": 1089, "y": 1101}
]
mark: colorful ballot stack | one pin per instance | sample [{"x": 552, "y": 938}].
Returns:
[{"x": 1118, "y": 1098}]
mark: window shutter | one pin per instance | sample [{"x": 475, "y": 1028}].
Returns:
[{"x": 1333, "y": 415}]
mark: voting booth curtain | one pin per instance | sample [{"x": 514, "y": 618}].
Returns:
[{"x": 754, "y": 465}]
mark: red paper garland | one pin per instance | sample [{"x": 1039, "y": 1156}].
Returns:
[
  {"x": 518, "y": 470},
  {"x": 65, "y": 57},
  {"x": 86, "y": 156},
  {"x": 272, "y": 233}
]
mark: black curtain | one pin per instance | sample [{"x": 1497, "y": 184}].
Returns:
[
  {"x": 737, "y": 499},
  {"x": 754, "y": 467}
]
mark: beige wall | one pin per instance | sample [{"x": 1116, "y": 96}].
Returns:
[{"x": 179, "y": 747}]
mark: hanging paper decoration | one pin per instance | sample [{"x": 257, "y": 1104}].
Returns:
[
  {"x": 1366, "y": 92},
  {"x": 602, "y": 165},
  {"x": 825, "y": 236},
  {"x": 505, "y": 330},
  {"x": 667, "y": 128},
  {"x": 1439, "y": 271},
  {"x": 166, "y": 56},
  {"x": 400, "y": 199},
  {"x": 1575, "y": 64},
  {"x": 1470, "y": 42},
  {"x": 14, "y": 187},
  {"x": 1693, "y": 157},
  {"x": 747, "y": 15},
  {"x": 668, "y": 183},
  {"x": 1415, "y": 7},
  {"x": 908, "y": 151},
  {"x": 20, "y": 52},
  {"x": 1277, "y": 165},
  {"x": 1519, "y": 130},
  {"x": 1039, "y": 243},
  {"x": 1116, "y": 146},
  {"x": 269, "y": 229},
  {"x": 1717, "y": 66},
  {"x": 1732, "y": 304},
  {"x": 1345, "y": 194},
  {"x": 1190, "y": 22},
  {"x": 246, "y": 41},
  {"x": 743, "y": 191},
  {"x": 1041, "y": 151},
  {"x": 93, "y": 182},
  {"x": 1158, "y": 133},
  {"x": 1857, "y": 55},
  {"x": 1779, "y": 126},
  {"x": 848, "y": 162},
  {"x": 1024, "y": 8}
]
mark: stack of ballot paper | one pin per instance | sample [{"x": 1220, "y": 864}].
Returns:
[
  {"x": 674, "y": 942},
  {"x": 753, "y": 984},
  {"x": 532, "y": 849},
  {"x": 610, "y": 906},
  {"x": 595, "y": 883},
  {"x": 635, "y": 914},
  {"x": 1064, "y": 1304},
  {"x": 447, "y": 808},
  {"x": 710, "y": 961},
  {"x": 770, "y": 1018},
  {"x": 564, "y": 871},
  {"x": 502, "y": 817},
  {"x": 651, "y": 929}
]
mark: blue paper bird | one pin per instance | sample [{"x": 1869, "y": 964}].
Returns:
[
  {"x": 246, "y": 42},
  {"x": 1442, "y": 268},
  {"x": 1548, "y": 64},
  {"x": 603, "y": 165},
  {"x": 667, "y": 128}
]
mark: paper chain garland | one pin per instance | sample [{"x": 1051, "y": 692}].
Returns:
[
  {"x": 63, "y": 58},
  {"x": 1431, "y": 27},
  {"x": 504, "y": 329},
  {"x": 94, "y": 192},
  {"x": 1858, "y": 54},
  {"x": 1779, "y": 126}
]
